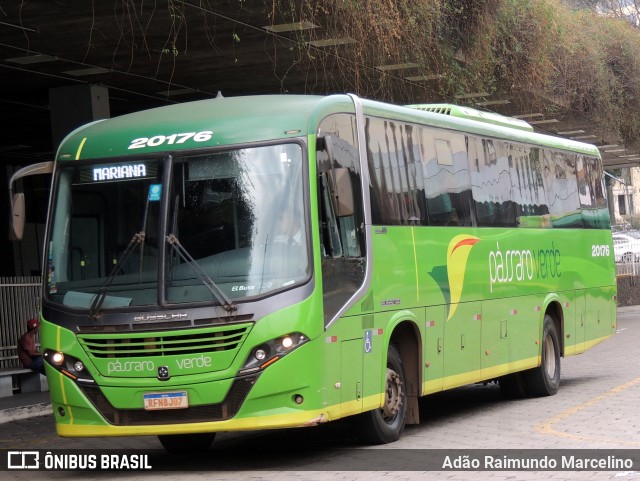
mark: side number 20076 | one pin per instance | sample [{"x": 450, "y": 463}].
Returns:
[{"x": 157, "y": 140}]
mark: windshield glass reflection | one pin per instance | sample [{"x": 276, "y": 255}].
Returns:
[
  {"x": 239, "y": 215},
  {"x": 235, "y": 220},
  {"x": 104, "y": 235}
]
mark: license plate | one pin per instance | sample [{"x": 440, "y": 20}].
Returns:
[{"x": 154, "y": 401}]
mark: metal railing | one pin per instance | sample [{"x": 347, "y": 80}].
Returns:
[
  {"x": 626, "y": 250},
  {"x": 627, "y": 267},
  {"x": 19, "y": 302}
]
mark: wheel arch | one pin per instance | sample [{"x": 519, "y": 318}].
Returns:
[
  {"x": 555, "y": 311},
  {"x": 405, "y": 335}
]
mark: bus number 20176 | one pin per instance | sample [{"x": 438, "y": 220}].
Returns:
[
  {"x": 158, "y": 140},
  {"x": 599, "y": 250}
]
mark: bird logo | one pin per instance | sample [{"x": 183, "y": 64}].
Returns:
[
  {"x": 457, "y": 255},
  {"x": 450, "y": 277}
]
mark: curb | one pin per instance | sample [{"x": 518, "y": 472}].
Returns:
[{"x": 25, "y": 412}]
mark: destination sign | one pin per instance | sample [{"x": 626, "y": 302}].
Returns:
[
  {"x": 119, "y": 172},
  {"x": 116, "y": 172}
]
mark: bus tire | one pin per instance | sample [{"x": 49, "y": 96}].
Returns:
[
  {"x": 186, "y": 443},
  {"x": 544, "y": 380},
  {"x": 513, "y": 386},
  {"x": 385, "y": 425}
]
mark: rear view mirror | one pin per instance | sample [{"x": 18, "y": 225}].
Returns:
[
  {"x": 17, "y": 217},
  {"x": 16, "y": 229}
]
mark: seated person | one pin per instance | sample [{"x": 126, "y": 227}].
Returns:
[{"x": 29, "y": 356}]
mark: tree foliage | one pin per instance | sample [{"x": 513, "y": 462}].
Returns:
[{"x": 582, "y": 59}]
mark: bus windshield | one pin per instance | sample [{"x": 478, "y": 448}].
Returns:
[
  {"x": 235, "y": 224},
  {"x": 239, "y": 215}
]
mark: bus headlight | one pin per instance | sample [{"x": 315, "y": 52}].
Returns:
[
  {"x": 57, "y": 358},
  {"x": 266, "y": 354},
  {"x": 70, "y": 366}
]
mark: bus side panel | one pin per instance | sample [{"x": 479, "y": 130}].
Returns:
[
  {"x": 510, "y": 329},
  {"x": 598, "y": 324},
  {"x": 356, "y": 349},
  {"x": 592, "y": 315},
  {"x": 568, "y": 320},
  {"x": 433, "y": 349},
  {"x": 462, "y": 345},
  {"x": 396, "y": 272},
  {"x": 351, "y": 363},
  {"x": 609, "y": 328},
  {"x": 614, "y": 309},
  {"x": 576, "y": 345}
]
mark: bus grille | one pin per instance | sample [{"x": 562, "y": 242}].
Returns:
[
  {"x": 150, "y": 326},
  {"x": 193, "y": 414},
  {"x": 220, "y": 338}
]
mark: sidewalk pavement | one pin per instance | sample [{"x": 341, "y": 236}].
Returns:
[{"x": 24, "y": 406}]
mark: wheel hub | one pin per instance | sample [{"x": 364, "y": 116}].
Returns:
[{"x": 394, "y": 394}]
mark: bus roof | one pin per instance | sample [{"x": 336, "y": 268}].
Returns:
[
  {"x": 242, "y": 120},
  {"x": 231, "y": 120},
  {"x": 482, "y": 125}
]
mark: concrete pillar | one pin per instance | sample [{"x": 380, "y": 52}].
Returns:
[{"x": 70, "y": 107}]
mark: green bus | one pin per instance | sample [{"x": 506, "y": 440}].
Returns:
[{"x": 283, "y": 261}]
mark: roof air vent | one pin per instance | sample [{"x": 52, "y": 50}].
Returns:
[{"x": 473, "y": 114}]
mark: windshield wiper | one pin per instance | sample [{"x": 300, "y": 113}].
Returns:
[
  {"x": 224, "y": 301},
  {"x": 98, "y": 300}
]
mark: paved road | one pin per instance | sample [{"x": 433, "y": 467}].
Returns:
[{"x": 597, "y": 407}]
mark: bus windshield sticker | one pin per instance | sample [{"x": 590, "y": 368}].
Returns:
[
  {"x": 155, "y": 190},
  {"x": 51, "y": 279}
]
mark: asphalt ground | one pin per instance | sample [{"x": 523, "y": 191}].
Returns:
[{"x": 596, "y": 408}]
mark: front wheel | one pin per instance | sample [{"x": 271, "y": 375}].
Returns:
[
  {"x": 186, "y": 443},
  {"x": 384, "y": 425},
  {"x": 544, "y": 380}
]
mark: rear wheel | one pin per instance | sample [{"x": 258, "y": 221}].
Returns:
[
  {"x": 544, "y": 380},
  {"x": 385, "y": 425},
  {"x": 186, "y": 443}
]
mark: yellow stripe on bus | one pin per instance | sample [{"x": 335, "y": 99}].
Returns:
[
  {"x": 80, "y": 148},
  {"x": 62, "y": 378},
  {"x": 457, "y": 380}
]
